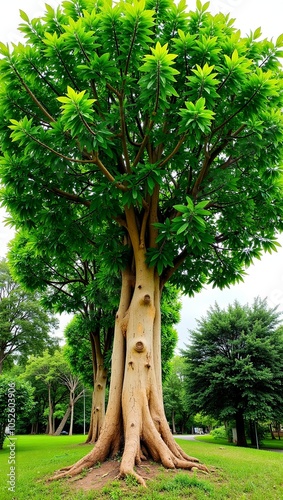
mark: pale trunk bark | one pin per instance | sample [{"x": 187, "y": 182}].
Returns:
[
  {"x": 98, "y": 405},
  {"x": 99, "y": 385},
  {"x": 135, "y": 415}
]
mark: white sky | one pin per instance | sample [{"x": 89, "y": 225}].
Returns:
[{"x": 265, "y": 278}]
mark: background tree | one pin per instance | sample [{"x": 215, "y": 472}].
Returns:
[
  {"x": 175, "y": 398},
  {"x": 25, "y": 327},
  {"x": 92, "y": 361},
  {"x": 48, "y": 370},
  {"x": 170, "y": 146},
  {"x": 235, "y": 366},
  {"x": 23, "y": 402},
  {"x": 70, "y": 283}
]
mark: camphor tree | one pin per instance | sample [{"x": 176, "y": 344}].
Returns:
[
  {"x": 69, "y": 283},
  {"x": 234, "y": 365},
  {"x": 162, "y": 127}
]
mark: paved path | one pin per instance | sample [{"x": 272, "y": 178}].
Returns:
[
  {"x": 188, "y": 437},
  {"x": 191, "y": 437}
]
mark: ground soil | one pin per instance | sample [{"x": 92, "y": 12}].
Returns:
[{"x": 100, "y": 476}]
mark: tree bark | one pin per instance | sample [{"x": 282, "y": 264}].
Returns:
[
  {"x": 240, "y": 426},
  {"x": 98, "y": 405},
  {"x": 63, "y": 421},
  {"x": 135, "y": 422},
  {"x": 99, "y": 384}
]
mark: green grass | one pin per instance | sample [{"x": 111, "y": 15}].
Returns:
[
  {"x": 267, "y": 443},
  {"x": 235, "y": 473}
]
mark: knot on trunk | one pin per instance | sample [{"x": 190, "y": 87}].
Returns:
[
  {"x": 139, "y": 346},
  {"x": 146, "y": 300}
]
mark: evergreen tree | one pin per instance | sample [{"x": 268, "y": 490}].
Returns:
[{"x": 235, "y": 369}]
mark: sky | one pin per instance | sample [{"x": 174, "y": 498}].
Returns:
[{"x": 265, "y": 277}]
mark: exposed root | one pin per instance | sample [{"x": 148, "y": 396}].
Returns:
[
  {"x": 185, "y": 464},
  {"x": 84, "y": 463}
]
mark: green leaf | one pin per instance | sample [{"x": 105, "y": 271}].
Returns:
[
  {"x": 183, "y": 228},
  {"x": 279, "y": 41},
  {"x": 24, "y": 16}
]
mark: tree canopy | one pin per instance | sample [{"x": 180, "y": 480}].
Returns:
[
  {"x": 152, "y": 136},
  {"x": 16, "y": 402},
  {"x": 234, "y": 364},
  {"x": 181, "y": 118},
  {"x": 25, "y": 327}
]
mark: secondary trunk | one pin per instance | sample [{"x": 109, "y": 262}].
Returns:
[
  {"x": 99, "y": 385},
  {"x": 98, "y": 406},
  {"x": 135, "y": 422}
]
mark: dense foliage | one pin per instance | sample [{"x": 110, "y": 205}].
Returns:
[
  {"x": 16, "y": 403},
  {"x": 25, "y": 327},
  {"x": 142, "y": 105},
  {"x": 235, "y": 363}
]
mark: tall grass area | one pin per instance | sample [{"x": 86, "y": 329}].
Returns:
[{"x": 235, "y": 473}]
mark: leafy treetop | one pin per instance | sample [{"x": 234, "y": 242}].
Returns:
[{"x": 142, "y": 107}]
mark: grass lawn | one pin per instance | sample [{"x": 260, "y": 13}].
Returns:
[{"x": 235, "y": 473}]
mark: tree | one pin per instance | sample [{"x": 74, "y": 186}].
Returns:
[
  {"x": 16, "y": 401},
  {"x": 25, "y": 326},
  {"x": 84, "y": 358},
  {"x": 71, "y": 283},
  {"x": 73, "y": 384},
  {"x": 48, "y": 369},
  {"x": 161, "y": 129},
  {"x": 235, "y": 366},
  {"x": 175, "y": 400},
  {"x": 90, "y": 361}
]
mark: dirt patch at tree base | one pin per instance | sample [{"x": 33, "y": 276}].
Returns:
[{"x": 98, "y": 477}]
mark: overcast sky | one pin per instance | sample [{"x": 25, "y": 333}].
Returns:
[{"x": 265, "y": 278}]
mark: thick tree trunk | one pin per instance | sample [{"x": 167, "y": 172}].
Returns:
[
  {"x": 98, "y": 405},
  {"x": 99, "y": 390},
  {"x": 240, "y": 426},
  {"x": 135, "y": 422}
]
